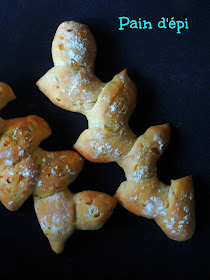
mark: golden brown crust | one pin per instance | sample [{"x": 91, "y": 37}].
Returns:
[
  {"x": 103, "y": 145},
  {"x": 71, "y": 88},
  {"x": 19, "y": 170},
  {"x": 58, "y": 170},
  {"x": 146, "y": 198},
  {"x": 108, "y": 108},
  {"x": 22, "y": 136},
  {"x": 77, "y": 37},
  {"x": 24, "y": 166},
  {"x": 93, "y": 209},
  {"x": 179, "y": 223},
  {"x": 25, "y": 169},
  {"x": 143, "y": 194},
  {"x": 115, "y": 103},
  {"x": 172, "y": 207},
  {"x": 20, "y": 167},
  {"x": 56, "y": 215},
  {"x": 6, "y": 94},
  {"x": 109, "y": 137},
  {"x": 141, "y": 160},
  {"x": 72, "y": 79},
  {"x": 61, "y": 213},
  {"x": 17, "y": 182}
]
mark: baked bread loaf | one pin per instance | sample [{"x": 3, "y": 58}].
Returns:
[
  {"x": 63, "y": 212},
  {"x": 27, "y": 169},
  {"x": 72, "y": 85}
]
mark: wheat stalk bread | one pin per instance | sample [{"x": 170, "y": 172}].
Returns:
[
  {"x": 27, "y": 169},
  {"x": 72, "y": 85}
]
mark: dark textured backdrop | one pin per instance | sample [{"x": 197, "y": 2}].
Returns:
[{"x": 170, "y": 72}]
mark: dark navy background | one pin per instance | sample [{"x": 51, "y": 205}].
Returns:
[{"x": 170, "y": 72}]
